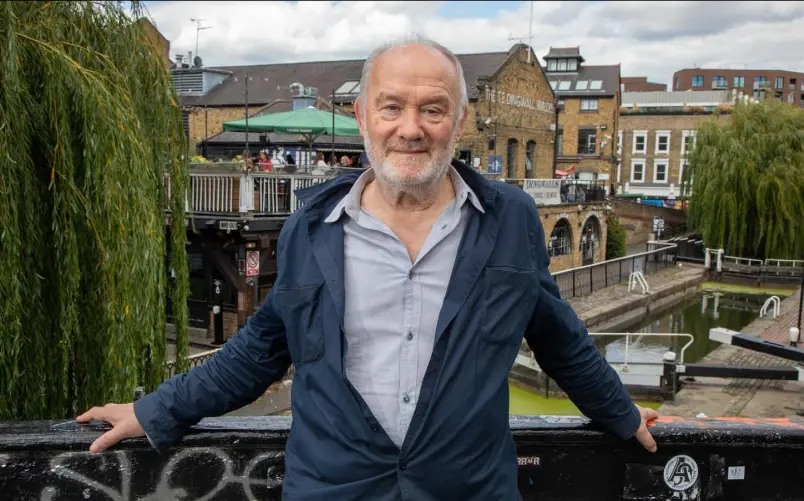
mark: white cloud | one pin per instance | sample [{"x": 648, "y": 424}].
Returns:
[{"x": 648, "y": 38}]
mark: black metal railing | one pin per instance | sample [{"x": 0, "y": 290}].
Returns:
[
  {"x": 578, "y": 282},
  {"x": 583, "y": 191},
  {"x": 193, "y": 360}
]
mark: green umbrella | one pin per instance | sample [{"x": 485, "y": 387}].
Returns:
[{"x": 308, "y": 122}]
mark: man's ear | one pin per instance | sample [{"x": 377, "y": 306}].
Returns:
[
  {"x": 463, "y": 121},
  {"x": 359, "y": 115}
]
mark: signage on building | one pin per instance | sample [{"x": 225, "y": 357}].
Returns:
[
  {"x": 658, "y": 223},
  {"x": 502, "y": 97},
  {"x": 495, "y": 164},
  {"x": 544, "y": 191},
  {"x": 252, "y": 263}
]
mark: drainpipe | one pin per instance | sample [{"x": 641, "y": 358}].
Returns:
[{"x": 555, "y": 141}]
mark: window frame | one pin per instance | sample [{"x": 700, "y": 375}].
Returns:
[
  {"x": 589, "y": 100},
  {"x": 661, "y": 133},
  {"x": 666, "y": 163},
  {"x": 740, "y": 80},
  {"x": 697, "y": 78},
  {"x": 594, "y": 132},
  {"x": 779, "y": 83},
  {"x": 719, "y": 81},
  {"x": 684, "y": 135},
  {"x": 642, "y": 175},
  {"x": 643, "y": 134}
]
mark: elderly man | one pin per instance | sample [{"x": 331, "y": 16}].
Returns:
[{"x": 402, "y": 297}]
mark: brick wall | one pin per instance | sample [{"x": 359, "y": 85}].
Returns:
[
  {"x": 638, "y": 219},
  {"x": 577, "y": 215},
  {"x": 676, "y": 124},
  {"x": 215, "y": 118},
  {"x": 514, "y": 121},
  {"x": 605, "y": 120}
]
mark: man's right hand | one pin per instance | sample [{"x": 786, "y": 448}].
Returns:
[{"x": 121, "y": 417}]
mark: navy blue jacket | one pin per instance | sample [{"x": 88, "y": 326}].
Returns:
[{"x": 459, "y": 445}]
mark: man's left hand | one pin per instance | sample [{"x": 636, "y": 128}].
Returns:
[{"x": 642, "y": 434}]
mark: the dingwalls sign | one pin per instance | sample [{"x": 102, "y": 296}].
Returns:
[
  {"x": 499, "y": 96},
  {"x": 544, "y": 191}
]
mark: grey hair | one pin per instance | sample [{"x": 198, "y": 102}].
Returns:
[{"x": 405, "y": 42}]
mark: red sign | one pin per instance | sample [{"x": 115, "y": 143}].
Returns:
[{"x": 252, "y": 263}]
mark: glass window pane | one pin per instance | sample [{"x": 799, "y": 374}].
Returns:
[
  {"x": 551, "y": 65},
  {"x": 553, "y": 84},
  {"x": 564, "y": 85},
  {"x": 562, "y": 65},
  {"x": 596, "y": 85},
  {"x": 581, "y": 84},
  {"x": 572, "y": 64}
]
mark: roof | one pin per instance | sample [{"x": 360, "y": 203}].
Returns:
[
  {"x": 564, "y": 52},
  {"x": 676, "y": 99},
  {"x": 609, "y": 76},
  {"x": 254, "y": 138},
  {"x": 269, "y": 82}
]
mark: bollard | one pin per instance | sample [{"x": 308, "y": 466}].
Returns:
[
  {"x": 719, "y": 260},
  {"x": 139, "y": 391},
  {"x": 669, "y": 378},
  {"x": 707, "y": 258},
  {"x": 793, "y": 335}
]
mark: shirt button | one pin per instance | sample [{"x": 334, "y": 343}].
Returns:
[
  {"x": 409, "y": 336},
  {"x": 406, "y": 399},
  {"x": 374, "y": 427},
  {"x": 403, "y": 467}
]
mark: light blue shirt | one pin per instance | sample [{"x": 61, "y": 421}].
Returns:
[{"x": 392, "y": 305}]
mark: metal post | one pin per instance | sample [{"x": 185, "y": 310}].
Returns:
[
  {"x": 591, "y": 279},
  {"x": 333, "y": 128},
  {"x": 669, "y": 377},
  {"x": 247, "y": 75},
  {"x": 800, "y": 300}
]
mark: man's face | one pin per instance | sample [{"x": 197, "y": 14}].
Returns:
[{"x": 409, "y": 119}]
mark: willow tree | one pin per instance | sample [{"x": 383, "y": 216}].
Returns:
[
  {"x": 747, "y": 181},
  {"x": 88, "y": 128}
]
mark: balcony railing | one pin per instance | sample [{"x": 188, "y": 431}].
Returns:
[{"x": 223, "y": 189}]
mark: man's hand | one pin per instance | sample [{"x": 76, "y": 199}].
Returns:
[
  {"x": 121, "y": 417},
  {"x": 642, "y": 434}
]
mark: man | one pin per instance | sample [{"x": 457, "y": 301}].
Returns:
[{"x": 402, "y": 296}]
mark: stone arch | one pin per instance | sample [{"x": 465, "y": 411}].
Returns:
[
  {"x": 590, "y": 238},
  {"x": 560, "y": 241}
]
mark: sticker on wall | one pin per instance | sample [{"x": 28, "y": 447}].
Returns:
[
  {"x": 736, "y": 473},
  {"x": 680, "y": 473}
]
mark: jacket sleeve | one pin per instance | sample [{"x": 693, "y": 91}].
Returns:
[{"x": 565, "y": 351}]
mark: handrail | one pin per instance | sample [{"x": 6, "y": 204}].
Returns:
[
  {"x": 794, "y": 263},
  {"x": 192, "y": 360},
  {"x": 667, "y": 245},
  {"x": 738, "y": 260},
  {"x": 638, "y": 277},
  {"x": 648, "y": 334},
  {"x": 773, "y": 300}
]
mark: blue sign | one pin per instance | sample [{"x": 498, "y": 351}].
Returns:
[{"x": 495, "y": 164}]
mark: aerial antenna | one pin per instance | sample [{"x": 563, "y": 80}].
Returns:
[
  {"x": 530, "y": 33},
  {"x": 198, "y": 27}
]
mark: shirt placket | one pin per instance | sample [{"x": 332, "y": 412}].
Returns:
[{"x": 409, "y": 356}]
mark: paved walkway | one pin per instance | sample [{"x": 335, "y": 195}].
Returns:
[{"x": 752, "y": 398}]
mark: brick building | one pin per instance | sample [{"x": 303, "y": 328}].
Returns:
[
  {"x": 511, "y": 106},
  {"x": 787, "y": 86},
  {"x": 640, "y": 84},
  {"x": 657, "y": 131},
  {"x": 588, "y": 103},
  {"x": 160, "y": 43}
]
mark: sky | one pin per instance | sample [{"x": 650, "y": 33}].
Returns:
[{"x": 651, "y": 39}]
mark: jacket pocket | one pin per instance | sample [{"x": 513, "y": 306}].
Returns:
[
  {"x": 509, "y": 295},
  {"x": 301, "y": 314}
]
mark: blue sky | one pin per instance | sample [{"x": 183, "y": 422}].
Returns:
[{"x": 651, "y": 39}]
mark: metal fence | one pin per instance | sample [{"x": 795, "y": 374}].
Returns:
[
  {"x": 584, "y": 280},
  {"x": 193, "y": 360}
]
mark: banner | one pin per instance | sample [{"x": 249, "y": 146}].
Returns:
[{"x": 544, "y": 191}]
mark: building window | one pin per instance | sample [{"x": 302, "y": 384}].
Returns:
[
  {"x": 560, "y": 142},
  {"x": 620, "y": 143},
  {"x": 572, "y": 65},
  {"x": 588, "y": 105},
  {"x": 587, "y": 141},
  {"x": 185, "y": 121},
  {"x": 492, "y": 145},
  {"x": 688, "y": 142},
  {"x": 779, "y": 82},
  {"x": 681, "y": 168},
  {"x": 596, "y": 85},
  {"x": 529, "y": 149},
  {"x": 760, "y": 82},
  {"x": 581, "y": 84},
  {"x": 663, "y": 142},
  {"x": 677, "y": 83},
  {"x": 560, "y": 243},
  {"x": 512, "y": 147},
  {"x": 564, "y": 85},
  {"x": 660, "y": 171},
  {"x": 551, "y": 65},
  {"x": 792, "y": 84},
  {"x": 697, "y": 80},
  {"x": 640, "y": 142},
  {"x": 553, "y": 84},
  {"x": 560, "y": 105},
  {"x": 739, "y": 82},
  {"x": 637, "y": 171},
  {"x": 719, "y": 82}
]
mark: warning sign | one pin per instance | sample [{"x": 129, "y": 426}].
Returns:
[{"x": 252, "y": 263}]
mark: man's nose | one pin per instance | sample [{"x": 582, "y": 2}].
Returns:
[{"x": 410, "y": 128}]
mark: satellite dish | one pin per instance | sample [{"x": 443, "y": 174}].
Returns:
[{"x": 197, "y": 61}]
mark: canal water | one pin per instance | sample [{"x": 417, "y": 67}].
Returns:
[{"x": 734, "y": 309}]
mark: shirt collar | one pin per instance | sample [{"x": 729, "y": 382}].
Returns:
[{"x": 351, "y": 202}]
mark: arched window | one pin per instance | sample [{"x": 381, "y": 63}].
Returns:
[
  {"x": 590, "y": 240},
  {"x": 530, "y": 148},
  {"x": 512, "y": 149},
  {"x": 560, "y": 243}
]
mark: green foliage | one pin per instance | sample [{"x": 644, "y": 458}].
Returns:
[
  {"x": 748, "y": 180},
  {"x": 615, "y": 238},
  {"x": 88, "y": 127}
]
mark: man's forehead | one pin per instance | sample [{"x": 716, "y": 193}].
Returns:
[{"x": 415, "y": 65}]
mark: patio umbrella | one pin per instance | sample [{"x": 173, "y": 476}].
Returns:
[{"x": 309, "y": 122}]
